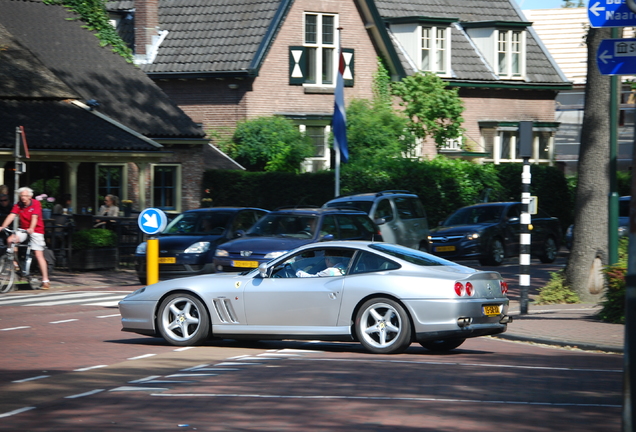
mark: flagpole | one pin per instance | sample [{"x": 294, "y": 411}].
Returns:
[{"x": 337, "y": 146}]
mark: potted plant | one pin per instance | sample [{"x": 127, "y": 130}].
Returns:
[
  {"x": 94, "y": 249},
  {"x": 127, "y": 205},
  {"x": 47, "y": 204}
]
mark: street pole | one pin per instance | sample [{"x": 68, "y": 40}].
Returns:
[
  {"x": 613, "y": 192},
  {"x": 525, "y": 152}
]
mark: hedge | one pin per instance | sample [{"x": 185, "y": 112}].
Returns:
[{"x": 442, "y": 184}]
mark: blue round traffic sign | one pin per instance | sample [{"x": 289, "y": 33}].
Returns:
[{"x": 152, "y": 221}]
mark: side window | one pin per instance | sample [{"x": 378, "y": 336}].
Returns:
[
  {"x": 384, "y": 210},
  {"x": 367, "y": 226},
  {"x": 369, "y": 262},
  {"x": 348, "y": 229},
  {"x": 329, "y": 227},
  {"x": 513, "y": 212},
  {"x": 323, "y": 262},
  {"x": 418, "y": 208},
  {"x": 244, "y": 220},
  {"x": 404, "y": 208}
]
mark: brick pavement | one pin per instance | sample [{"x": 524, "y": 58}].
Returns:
[{"x": 562, "y": 325}]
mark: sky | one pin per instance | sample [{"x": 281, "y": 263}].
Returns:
[{"x": 539, "y": 4}]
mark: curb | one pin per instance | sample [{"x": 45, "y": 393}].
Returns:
[{"x": 555, "y": 342}]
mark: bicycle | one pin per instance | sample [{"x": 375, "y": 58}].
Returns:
[{"x": 15, "y": 266}]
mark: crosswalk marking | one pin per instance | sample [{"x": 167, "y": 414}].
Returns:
[{"x": 82, "y": 298}]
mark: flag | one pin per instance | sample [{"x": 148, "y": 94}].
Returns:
[{"x": 339, "y": 117}]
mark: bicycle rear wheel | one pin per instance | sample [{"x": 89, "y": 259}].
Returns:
[{"x": 7, "y": 275}]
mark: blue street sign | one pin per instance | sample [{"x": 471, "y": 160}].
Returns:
[
  {"x": 610, "y": 13},
  {"x": 617, "y": 57},
  {"x": 152, "y": 221}
]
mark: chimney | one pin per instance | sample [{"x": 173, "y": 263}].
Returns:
[{"x": 146, "y": 25}]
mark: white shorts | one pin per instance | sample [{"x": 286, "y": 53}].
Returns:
[{"x": 36, "y": 242}]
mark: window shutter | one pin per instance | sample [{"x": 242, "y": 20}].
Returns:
[
  {"x": 297, "y": 65},
  {"x": 349, "y": 70}
]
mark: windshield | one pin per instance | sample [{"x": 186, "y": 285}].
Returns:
[
  {"x": 475, "y": 215},
  {"x": 284, "y": 225},
  {"x": 197, "y": 223},
  {"x": 419, "y": 258}
]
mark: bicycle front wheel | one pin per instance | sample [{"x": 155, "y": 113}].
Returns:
[{"x": 7, "y": 275}]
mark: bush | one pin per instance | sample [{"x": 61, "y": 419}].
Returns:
[
  {"x": 94, "y": 238},
  {"x": 555, "y": 292},
  {"x": 613, "y": 305}
]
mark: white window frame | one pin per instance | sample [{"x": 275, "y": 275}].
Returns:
[
  {"x": 511, "y": 48},
  {"x": 177, "y": 186},
  {"x": 319, "y": 45},
  {"x": 325, "y": 160},
  {"x": 434, "y": 48}
]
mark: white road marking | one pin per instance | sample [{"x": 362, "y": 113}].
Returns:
[
  {"x": 63, "y": 321},
  {"x": 386, "y": 398},
  {"x": 89, "y": 368},
  {"x": 101, "y": 298},
  {"x": 108, "y": 316},
  {"x": 184, "y": 348},
  {"x": 149, "y": 378},
  {"x": 142, "y": 356},
  {"x": 88, "y": 393},
  {"x": 31, "y": 379},
  {"x": 131, "y": 388},
  {"x": 14, "y": 412},
  {"x": 183, "y": 375},
  {"x": 195, "y": 367},
  {"x": 466, "y": 364},
  {"x": 235, "y": 364},
  {"x": 15, "y": 328}
]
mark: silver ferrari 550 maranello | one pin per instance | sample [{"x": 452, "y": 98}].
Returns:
[{"x": 383, "y": 295}]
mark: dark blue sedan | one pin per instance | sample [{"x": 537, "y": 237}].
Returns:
[{"x": 187, "y": 245}]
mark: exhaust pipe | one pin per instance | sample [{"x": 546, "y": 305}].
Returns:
[
  {"x": 464, "y": 322},
  {"x": 505, "y": 320}
]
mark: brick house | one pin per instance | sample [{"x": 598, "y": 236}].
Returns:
[
  {"x": 94, "y": 123},
  {"x": 225, "y": 61}
]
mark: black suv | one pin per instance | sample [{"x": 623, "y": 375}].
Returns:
[
  {"x": 286, "y": 229},
  {"x": 489, "y": 232}
]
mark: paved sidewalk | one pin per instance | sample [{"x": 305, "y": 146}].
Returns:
[{"x": 562, "y": 325}]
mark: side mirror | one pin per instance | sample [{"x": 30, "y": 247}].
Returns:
[
  {"x": 440, "y": 223},
  {"x": 327, "y": 237},
  {"x": 262, "y": 270},
  {"x": 379, "y": 221},
  {"x": 239, "y": 233},
  {"x": 513, "y": 220}
]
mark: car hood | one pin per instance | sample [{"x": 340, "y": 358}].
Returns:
[
  {"x": 458, "y": 229},
  {"x": 265, "y": 244},
  {"x": 184, "y": 241}
]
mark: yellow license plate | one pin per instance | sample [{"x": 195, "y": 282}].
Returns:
[
  {"x": 444, "y": 248},
  {"x": 250, "y": 264},
  {"x": 167, "y": 260},
  {"x": 491, "y": 310}
]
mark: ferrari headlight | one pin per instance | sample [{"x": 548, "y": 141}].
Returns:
[
  {"x": 141, "y": 249},
  {"x": 221, "y": 253},
  {"x": 198, "y": 247},
  {"x": 273, "y": 255}
]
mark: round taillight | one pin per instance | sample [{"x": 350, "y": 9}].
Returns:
[
  {"x": 459, "y": 289},
  {"x": 469, "y": 289},
  {"x": 504, "y": 287}
]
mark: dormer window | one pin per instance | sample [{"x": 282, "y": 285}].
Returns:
[
  {"x": 510, "y": 53},
  {"x": 435, "y": 43},
  {"x": 426, "y": 41},
  {"x": 502, "y": 44}
]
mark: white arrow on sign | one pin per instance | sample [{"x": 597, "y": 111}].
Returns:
[
  {"x": 151, "y": 221},
  {"x": 604, "y": 57},
  {"x": 595, "y": 9}
]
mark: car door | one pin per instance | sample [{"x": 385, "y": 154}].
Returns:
[
  {"x": 411, "y": 221},
  {"x": 290, "y": 301},
  {"x": 389, "y": 229}
]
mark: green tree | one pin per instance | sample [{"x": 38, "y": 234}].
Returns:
[
  {"x": 268, "y": 144},
  {"x": 375, "y": 131},
  {"x": 434, "y": 111}
]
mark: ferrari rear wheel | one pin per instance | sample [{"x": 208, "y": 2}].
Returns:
[
  {"x": 183, "y": 320},
  {"x": 442, "y": 345},
  {"x": 383, "y": 326}
]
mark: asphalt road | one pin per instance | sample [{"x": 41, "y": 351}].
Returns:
[{"x": 68, "y": 367}]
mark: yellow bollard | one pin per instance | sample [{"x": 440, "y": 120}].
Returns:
[{"x": 152, "y": 261}]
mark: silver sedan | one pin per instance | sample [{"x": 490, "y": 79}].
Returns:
[{"x": 385, "y": 296}]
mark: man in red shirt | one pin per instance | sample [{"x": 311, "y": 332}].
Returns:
[{"x": 29, "y": 212}]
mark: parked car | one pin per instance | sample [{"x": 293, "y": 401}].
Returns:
[
  {"x": 387, "y": 297},
  {"x": 286, "y": 229},
  {"x": 623, "y": 221},
  {"x": 187, "y": 244},
  {"x": 489, "y": 232},
  {"x": 399, "y": 214}
]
